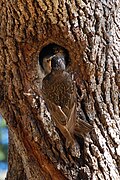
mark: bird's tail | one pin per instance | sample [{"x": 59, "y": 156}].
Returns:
[{"x": 82, "y": 128}]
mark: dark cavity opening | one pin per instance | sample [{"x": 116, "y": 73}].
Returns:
[{"x": 50, "y": 50}]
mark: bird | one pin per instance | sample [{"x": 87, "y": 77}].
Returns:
[
  {"x": 46, "y": 55},
  {"x": 47, "y": 64},
  {"x": 59, "y": 93}
]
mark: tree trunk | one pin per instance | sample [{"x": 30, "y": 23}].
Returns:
[{"x": 89, "y": 31}]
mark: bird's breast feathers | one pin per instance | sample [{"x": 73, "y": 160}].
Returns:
[{"x": 58, "y": 88}]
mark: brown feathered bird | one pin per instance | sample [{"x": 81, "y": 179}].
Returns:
[{"x": 59, "y": 93}]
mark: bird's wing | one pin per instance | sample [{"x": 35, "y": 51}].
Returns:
[
  {"x": 71, "y": 104},
  {"x": 61, "y": 120},
  {"x": 82, "y": 128},
  {"x": 56, "y": 112},
  {"x": 70, "y": 111}
]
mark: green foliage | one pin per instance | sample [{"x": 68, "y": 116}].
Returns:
[
  {"x": 3, "y": 145},
  {"x": 2, "y": 123},
  {"x": 3, "y": 152}
]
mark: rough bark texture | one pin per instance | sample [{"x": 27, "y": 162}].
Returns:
[{"x": 90, "y": 31}]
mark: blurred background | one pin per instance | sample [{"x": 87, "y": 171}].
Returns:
[{"x": 3, "y": 148}]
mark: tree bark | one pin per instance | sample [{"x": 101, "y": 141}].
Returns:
[{"x": 89, "y": 31}]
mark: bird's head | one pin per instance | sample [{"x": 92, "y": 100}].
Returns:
[
  {"x": 47, "y": 64},
  {"x": 54, "y": 62},
  {"x": 58, "y": 62}
]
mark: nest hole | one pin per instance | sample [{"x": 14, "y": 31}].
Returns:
[{"x": 50, "y": 50}]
